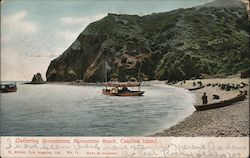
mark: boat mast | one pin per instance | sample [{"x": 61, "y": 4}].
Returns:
[
  {"x": 139, "y": 77},
  {"x": 107, "y": 68},
  {"x": 106, "y": 71}
]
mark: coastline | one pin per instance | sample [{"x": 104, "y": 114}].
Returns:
[{"x": 229, "y": 121}]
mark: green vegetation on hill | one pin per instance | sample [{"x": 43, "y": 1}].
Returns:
[{"x": 180, "y": 44}]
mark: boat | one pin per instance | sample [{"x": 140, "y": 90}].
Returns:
[
  {"x": 122, "y": 89},
  {"x": 196, "y": 88},
  {"x": 222, "y": 103},
  {"x": 10, "y": 87}
]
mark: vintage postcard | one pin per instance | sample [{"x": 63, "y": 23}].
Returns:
[{"x": 125, "y": 78}]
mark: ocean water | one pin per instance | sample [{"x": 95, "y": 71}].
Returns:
[{"x": 68, "y": 110}]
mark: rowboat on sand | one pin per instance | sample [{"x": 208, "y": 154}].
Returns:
[
  {"x": 222, "y": 103},
  {"x": 196, "y": 88}
]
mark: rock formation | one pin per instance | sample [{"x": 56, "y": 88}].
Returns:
[
  {"x": 37, "y": 79},
  {"x": 180, "y": 44}
]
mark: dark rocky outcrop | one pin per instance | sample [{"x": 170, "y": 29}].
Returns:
[
  {"x": 245, "y": 73},
  {"x": 37, "y": 79},
  {"x": 180, "y": 44}
]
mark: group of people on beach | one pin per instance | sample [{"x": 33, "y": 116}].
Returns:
[
  {"x": 199, "y": 83},
  {"x": 228, "y": 86}
]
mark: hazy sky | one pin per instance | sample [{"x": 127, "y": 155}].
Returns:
[{"x": 34, "y": 32}]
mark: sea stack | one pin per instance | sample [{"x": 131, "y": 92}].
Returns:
[{"x": 37, "y": 79}]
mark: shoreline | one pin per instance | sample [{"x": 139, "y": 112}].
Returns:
[{"x": 229, "y": 121}]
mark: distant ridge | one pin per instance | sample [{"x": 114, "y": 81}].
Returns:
[{"x": 224, "y": 4}]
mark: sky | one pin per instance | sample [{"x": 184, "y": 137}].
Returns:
[{"x": 34, "y": 32}]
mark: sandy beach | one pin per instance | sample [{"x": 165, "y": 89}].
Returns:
[{"x": 229, "y": 121}]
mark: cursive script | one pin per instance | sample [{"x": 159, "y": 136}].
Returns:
[{"x": 208, "y": 149}]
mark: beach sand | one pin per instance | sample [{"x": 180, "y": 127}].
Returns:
[{"x": 229, "y": 121}]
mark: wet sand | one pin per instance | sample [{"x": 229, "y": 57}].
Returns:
[{"x": 229, "y": 121}]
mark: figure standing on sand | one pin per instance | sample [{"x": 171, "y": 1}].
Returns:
[
  {"x": 204, "y": 98},
  {"x": 200, "y": 83},
  {"x": 194, "y": 84}
]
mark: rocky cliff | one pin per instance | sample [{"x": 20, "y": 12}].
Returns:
[
  {"x": 37, "y": 79},
  {"x": 175, "y": 45}
]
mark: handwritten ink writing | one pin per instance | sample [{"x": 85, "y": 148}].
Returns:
[{"x": 123, "y": 147}]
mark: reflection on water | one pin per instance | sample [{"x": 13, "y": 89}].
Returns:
[{"x": 64, "y": 110}]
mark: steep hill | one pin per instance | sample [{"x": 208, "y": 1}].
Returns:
[{"x": 180, "y": 44}]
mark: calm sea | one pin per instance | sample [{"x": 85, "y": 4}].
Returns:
[{"x": 67, "y": 110}]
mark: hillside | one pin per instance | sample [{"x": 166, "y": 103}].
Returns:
[{"x": 180, "y": 44}]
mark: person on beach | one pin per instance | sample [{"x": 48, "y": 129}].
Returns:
[
  {"x": 194, "y": 84},
  {"x": 204, "y": 98},
  {"x": 200, "y": 83}
]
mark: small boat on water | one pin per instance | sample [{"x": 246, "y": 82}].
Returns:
[
  {"x": 222, "y": 103},
  {"x": 10, "y": 87},
  {"x": 196, "y": 88},
  {"x": 122, "y": 89}
]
